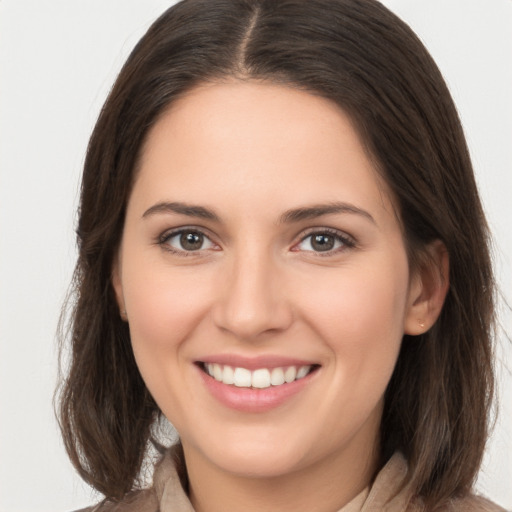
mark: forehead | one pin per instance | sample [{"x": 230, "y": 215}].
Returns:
[{"x": 254, "y": 139}]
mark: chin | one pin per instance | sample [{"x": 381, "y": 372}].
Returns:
[
  {"x": 255, "y": 456},
  {"x": 260, "y": 463},
  {"x": 252, "y": 447}
]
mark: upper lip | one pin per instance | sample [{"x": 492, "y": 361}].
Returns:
[{"x": 255, "y": 362}]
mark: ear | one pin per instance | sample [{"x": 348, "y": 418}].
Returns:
[
  {"x": 118, "y": 287},
  {"x": 427, "y": 289}
]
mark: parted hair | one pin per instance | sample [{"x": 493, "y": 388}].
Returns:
[{"x": 359, "y": 55}]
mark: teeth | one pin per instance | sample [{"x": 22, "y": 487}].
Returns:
[
  {"x": 290, "y": 374},
  {"x": 228, "y": 375},
  {"x": 217, "y": 372},
  {"x": 277, "y": 377},
  {"x": 242, "y": 378},
  {"x": 261, "y": 378},
  {"x": 302, "y": 371}
]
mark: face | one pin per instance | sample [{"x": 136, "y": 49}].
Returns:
[{"x": 265, "y": 279}]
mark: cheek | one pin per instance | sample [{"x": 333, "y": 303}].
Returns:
[
  {"x": 165, "y": 309},
  {"x": 361, "y": 322},
  {"x": 164, "y": 306},
  {"x": 359, "y": 300},
  {"x": 359, "y": 315}
]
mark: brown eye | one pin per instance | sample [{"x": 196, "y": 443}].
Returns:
[
  {"x": 325, "y": 241},
  {"x": 186, "y": 240},
  {"x": 191, "y": 241},
  {"x": 322, "y": 242}
]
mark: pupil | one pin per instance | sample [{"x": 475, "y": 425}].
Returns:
[
  {"x": 322, "y": 242},
  {"x": 191, "y": 241}
]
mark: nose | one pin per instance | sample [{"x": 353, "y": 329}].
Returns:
[{"x": 252, "y": 299}]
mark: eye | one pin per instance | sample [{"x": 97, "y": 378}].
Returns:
[
  {"x": 324, "y": 241},
  {"x": 186, "y": 240}
]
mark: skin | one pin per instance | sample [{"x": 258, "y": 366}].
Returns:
[{"x": 250, "y": 152}]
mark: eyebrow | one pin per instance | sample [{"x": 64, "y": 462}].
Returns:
[
  {"x": 288, "y": 217},
  {"x": 182, "y": 209},
  {"x": 312, "y": 212}
]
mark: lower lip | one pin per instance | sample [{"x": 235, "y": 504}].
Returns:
[{"x": 253, "y": 399}]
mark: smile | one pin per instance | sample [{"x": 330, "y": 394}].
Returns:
[
  {"x": 260, "y": 378},
  {"x": 255, "y": 385}
]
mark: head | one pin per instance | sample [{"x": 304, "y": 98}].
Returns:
[{"x": 350, "y": 59}]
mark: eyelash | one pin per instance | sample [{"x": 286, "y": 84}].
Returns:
[
  {"x": 346, "y": 241},
  {"x": 163, "y": 240}
]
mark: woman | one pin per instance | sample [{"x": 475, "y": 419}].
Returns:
[{"x": 283, "y": 252}]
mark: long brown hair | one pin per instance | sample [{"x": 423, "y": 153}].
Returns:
[{"x": 362, "y": 57}]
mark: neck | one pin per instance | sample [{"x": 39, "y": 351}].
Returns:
[{"x": 327, "y": 485}]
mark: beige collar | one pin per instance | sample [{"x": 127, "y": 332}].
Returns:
[
  {"x": 172, "y": 498},
  {"x": 167, "y": 494},
  {"x": 357, "y": 503}
]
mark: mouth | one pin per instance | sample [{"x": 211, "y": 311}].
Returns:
[{"x": 258, "y": 378}]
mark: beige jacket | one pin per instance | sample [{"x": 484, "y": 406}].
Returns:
[{"x": 167, "y": 494}]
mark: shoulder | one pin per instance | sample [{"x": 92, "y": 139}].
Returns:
[
  {"x": 472, "y": 503},
  {"x": 140, "y": 501},
  {"x": 385, "y": 497},
  {"x": 166, "y": 481}
]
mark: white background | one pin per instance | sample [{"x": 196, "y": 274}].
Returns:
[{"x": 58, "y": 59}]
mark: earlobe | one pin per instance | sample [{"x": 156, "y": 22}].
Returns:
[{"x": 428, "y": 289}]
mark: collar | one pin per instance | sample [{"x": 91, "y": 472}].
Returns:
[{"x": 382, "y": 497}]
